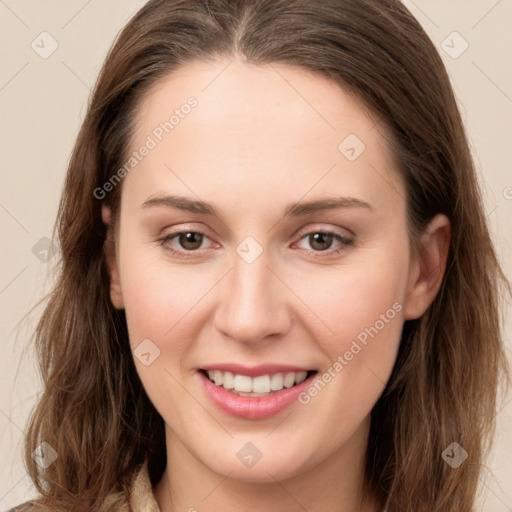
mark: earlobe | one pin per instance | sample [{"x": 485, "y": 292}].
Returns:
[
  {"x": 428, "y": 267},
  {"x": 109, "y": 250}
]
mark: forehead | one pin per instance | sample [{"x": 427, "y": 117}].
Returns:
[{"x": 260, "y": 128}]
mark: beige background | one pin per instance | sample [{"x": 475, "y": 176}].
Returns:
[{"x": 42, "y": 103}]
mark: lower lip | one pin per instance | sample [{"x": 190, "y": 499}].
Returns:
[{"x": 253, "y": 407}]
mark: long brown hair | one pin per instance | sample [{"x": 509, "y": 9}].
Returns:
[{"x": 94, "y": 411}]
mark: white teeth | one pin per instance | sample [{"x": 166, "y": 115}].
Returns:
[
  {"x": 218, "y": 377},
  {"x": 261, "y": 384},
  {"x": 242, "y": 383},
  {"x": 276, "y": 382},
  {"x": 228, "y": 380},
  {"x": 300, "y": 377},
  {"x": 289, "y": 380}
]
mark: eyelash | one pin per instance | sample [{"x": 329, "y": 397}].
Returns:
[{"x": 330, "y": 252}]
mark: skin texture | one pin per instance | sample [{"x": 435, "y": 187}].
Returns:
[{"x": 260, "y": 138}]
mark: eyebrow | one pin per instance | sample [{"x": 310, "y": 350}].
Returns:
[{"x": 295, "y": 209}]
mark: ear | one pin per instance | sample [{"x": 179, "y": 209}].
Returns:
[
  {"x": 427, "y": 267},
  {"x": 109, "y": 250}
]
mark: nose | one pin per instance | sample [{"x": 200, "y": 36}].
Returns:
[{"x": 254, "y": 302}]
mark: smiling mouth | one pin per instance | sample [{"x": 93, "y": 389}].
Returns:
[{"x": 262, "y": 385}]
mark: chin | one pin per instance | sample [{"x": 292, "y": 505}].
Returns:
[{"x": 256, "y": 465}]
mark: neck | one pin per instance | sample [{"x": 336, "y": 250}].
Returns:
[{"x": 334, "y": 483}]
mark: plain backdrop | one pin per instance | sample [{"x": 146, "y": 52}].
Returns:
[{"x": 51, "y": 54}]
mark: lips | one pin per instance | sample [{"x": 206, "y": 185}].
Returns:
[{"x": 287, "y": 382}]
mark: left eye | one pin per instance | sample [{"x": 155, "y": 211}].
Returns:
[
  {"x": 324, "y": 239},
  {"x": 191, "y": 241}
]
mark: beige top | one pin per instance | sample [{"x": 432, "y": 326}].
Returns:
[{"x": 141, "y": 497}]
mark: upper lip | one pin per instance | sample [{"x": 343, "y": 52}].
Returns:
[{"x": 255, "y": 371}]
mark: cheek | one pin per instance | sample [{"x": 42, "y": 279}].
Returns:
[
  {"x": 364, "y": 308},
  {"x": 160, "y": 298},
  {"x": 161, "y": 306},
  {"x": 358, "y": 298}
]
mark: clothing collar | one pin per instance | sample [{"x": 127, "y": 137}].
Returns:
[{"x": 142, "y": 498}]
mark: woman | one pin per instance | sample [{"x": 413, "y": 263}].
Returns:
[{"x": 323, "y": 345}]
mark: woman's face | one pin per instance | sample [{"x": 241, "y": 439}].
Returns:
[{"x": 304, "y": 266}]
